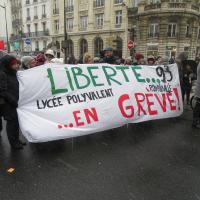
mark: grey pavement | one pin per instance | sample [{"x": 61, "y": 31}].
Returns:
[{"x": 156, "y": 160}]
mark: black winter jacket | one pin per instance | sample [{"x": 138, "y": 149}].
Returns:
[{"x": 9, "y": 85}]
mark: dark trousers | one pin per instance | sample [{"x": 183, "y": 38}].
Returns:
[
  {"x": 196, "y": 112},
  {"x": 12, "y": 125},
  {"x": 186, "y": 91},
  {"x": 12, "y": 128}
]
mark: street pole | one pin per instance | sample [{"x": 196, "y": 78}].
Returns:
[
  {"x": 65, "y": 33},
  {"x": 8, "y": 44}
]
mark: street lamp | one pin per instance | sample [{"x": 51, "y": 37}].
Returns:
[
  {"x": 65, "y": 33},
  {"x": 8, "y": 45}
]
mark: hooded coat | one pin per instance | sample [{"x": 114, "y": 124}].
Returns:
[{"x": 9, "y": 86}]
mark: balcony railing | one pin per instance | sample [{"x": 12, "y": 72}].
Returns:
[
  {"x": 99, "y": 3},
  {"x": 99, "y": 26},
  {"x": 153, "y": 35},
  {"x": 172, "y": 35},
  {"x": 36, "y": 34},
  {"x": 177, "y": 5},
  {"x": 118, "y": 25},
  {"x": 188, "y": 35},
  {"x": 152, "y": 6},
  {"x": 55, "y": 11},
  {"x": 44, "y": 16},
  {"x": 195, "y": 7},
  {"x": 69, "y": 8}
]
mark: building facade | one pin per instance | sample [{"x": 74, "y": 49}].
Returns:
[
  {"x": 36, "y": 24},
  {"x": 17, "y": 26},
  {"x": 92, "y": 25},
  {"x": 167, "y": 27}
]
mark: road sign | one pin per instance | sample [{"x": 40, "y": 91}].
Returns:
[
  {"x": 130, "y": 44},
  {"x": 28, "y": 41}
]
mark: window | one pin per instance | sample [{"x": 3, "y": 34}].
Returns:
[
  {"x": 35, "y": 13},
  {"x": 188, "y": 31},
  {"x": 36, "y": 29},
  {"x": 28, "y": 12},
  {"x": 44, "y": 26},
  {"x": 69, "y": 5},
  {"x": 43, "y": 9},
  {"x": 99, "y": 20},
  {"x": 153, "y": 30},
  {"x": 98, "y": 46},
  {"x": 70, "y": 48},
  {"x": 69, "y": 24},
  {"x": 198, "y": 34},
  {"x": 83, "y": 47},
  {"x": 36, "y": 46},
  {"x": 118, "y": 17},
  {"x": 29, "y": 30},
  {"x": 119, "y": 47},
  {"x": 99, "y": 3},
  {"x": 56, "y": 25},
  {"x": 44, "y": 44},
  {"x": 118, "y": 1},
  {"x": 83, "y": 22},
  {"x": 55, "y": 7},
  {"x": 172, "y": 30},
  {"x": 152, "y": 50}
]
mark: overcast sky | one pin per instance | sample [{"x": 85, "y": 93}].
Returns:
[{"x": 2, "y": 19}]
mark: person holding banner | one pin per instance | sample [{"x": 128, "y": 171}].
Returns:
[{"x": 9, "y": 93}]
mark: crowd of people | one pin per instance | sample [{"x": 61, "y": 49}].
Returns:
[{"x": 9, "y": 86}]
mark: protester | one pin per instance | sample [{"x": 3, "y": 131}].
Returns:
[
  {"x": 9, "y": 93},
  {"x": 172, "y": 60},
  {"x": 186, "y": 85},
  {"x": 151, "y": 60},
  {"x": 139, "y": 59},
  {"x": 196, "y": 112},
  {"x": 128, "y": 61},
  {"x": 40, "y": 59},
  {"x": 27, "y": 62},
  {"x": 96, "y": 60},
  {"x": 109, "y": 56},
  {"x": 49, "y": 55},
  {"x": 163, "y": 60},
  {"x": 179, "y": 61},
  {"x": 58, "y": 60},
  {"x": 87, "y": 59}
]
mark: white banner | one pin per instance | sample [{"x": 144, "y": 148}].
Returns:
[{"x": 64, "y": 101}]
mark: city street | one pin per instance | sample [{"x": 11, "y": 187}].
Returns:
[{"x": 156, "y": 160}]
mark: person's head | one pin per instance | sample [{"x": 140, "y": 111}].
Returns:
[
  {"x": 163, "y": 60},
  {"x": 139, "y": 58},
  {"x": 108, "y": 52},
  {"x": 128, "y": 61},
  {"x": 188, "y": 68},
  {"x": 49, "y": 55},
  {"x": 87, "y": 59},
  {"x": 96, "y": 59},
  {"x": 28, "y": 62},
  {"x": 40, "y": 59},
  {"x": 9, "y": 63},
  {"x": 151, "y": 60}
]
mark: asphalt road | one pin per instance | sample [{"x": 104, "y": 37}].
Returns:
[{"x": 158, "y": 160}]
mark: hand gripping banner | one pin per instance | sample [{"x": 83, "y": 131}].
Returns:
[{"x": 64, "y": 101}]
